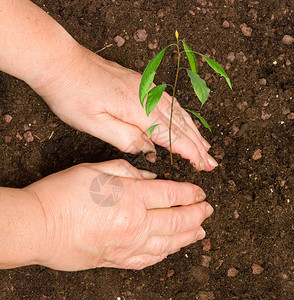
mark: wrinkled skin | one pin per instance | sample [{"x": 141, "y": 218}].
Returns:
[{"x": 141, "y": 229}]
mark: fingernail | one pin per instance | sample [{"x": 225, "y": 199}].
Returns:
[
  {"x": 148, "y": 147},
  {"x": 200, "y": 195},
  {"x": 208, "y": 210},
  {"x": 211, "y": 161},
  {"x": 200, "y": 234},
  {"x": 147, "y": 175},
  {"x": 201, "y": 164},
  {"x": 206, "y": 144}
]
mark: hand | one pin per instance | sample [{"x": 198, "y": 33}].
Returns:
[
  {"x": 101, "y": 98},
  {"x": 107, "y": 214}
]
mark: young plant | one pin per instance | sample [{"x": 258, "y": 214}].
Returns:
[{"x": 199, "y": 85}]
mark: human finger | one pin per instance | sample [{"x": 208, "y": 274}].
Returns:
[
  {"x": 159, "y": 245},
  {"x": 166, "y": 193},
  {"x": 141, "y": 261},
  {"x": 170, "y": 221},
  {"x": 125, "y": 136}
]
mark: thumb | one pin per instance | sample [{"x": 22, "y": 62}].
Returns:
[{"x": 126, "y": 137}]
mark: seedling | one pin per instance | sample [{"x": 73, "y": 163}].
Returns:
[{"x": 199, "y": 85}]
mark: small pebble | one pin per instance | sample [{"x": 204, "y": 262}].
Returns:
[
  {"x": 226, "y": 24},
  {"x": 140, "y": 35},
  {"x": 231, "y": 56},
  {"x": 282, "y": 183},
  {"x": 18, "y": 136},
  {"x": 207, "y": 76},
  {"x": 235, "y": 129},
  {"x": 242, "y": 105},
  {"x": 262, "y": 81},
  {"x": 232, "y": 185},
  {"x": 236, "y": 214},
  {"x": 246, "y": 30},
  {"x": 7, "y": 139},
  {"x": 287, "y": 39},
  {"x": 248, "y": 197},
  {"x": 202, "y": 295},
  {"x": 26, "y": 127},
  {"x": 170, "y": 273},
  {"x": 7, "y": 118},
  {"x": 119, "y": 40},
  {"x": 257, "y": 269},
  {"x": 28, "y": 136},
  {"x": 290, "y": 116},
  {"x": 285, "y": 111},
  {"x": 166, "y": 175},
  {"x": 157, "y": 28},
  {"x": 243, "y": 128},
  {"x": 160, "y": 14},
  {"x": 257, "y": 154},
  {"x": 264, "y": 115},
  {"x": 192, "y": 12},
  {"x": 136, "y": 4},
  {"x": 288, "y": 63},
  {"x": 232, "y": 272},
  {"x": 252, "y": 14},
  {"x": 151, "y": 157},
  {"x": 153, "y": 46},
  {"x": 206, "y": 244},
  {"x": 205, "y": 261},
  {"x": 139, "y": 63},
  {"x": 241, "y": 57}
]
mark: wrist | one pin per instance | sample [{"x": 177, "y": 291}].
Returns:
[
  {"x": 22, "y": 228},
  {"x": 55, "y": 65}
]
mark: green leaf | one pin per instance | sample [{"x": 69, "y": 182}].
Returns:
[
  {"x": 191, "y": 58},
  {"x": 199, "y": 85},
  {"x": 217, "y": 68},
  {"x": 199, "y": 117},
  {"x": 150, "y": 129},
  {"x": 153, "y": 97},
  {"x": 148, "y": 75}
]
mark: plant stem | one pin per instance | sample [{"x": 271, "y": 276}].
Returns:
[{"x": 172, "y": 104}]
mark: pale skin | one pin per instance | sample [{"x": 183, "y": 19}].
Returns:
[{"x": 54, "y": 222}]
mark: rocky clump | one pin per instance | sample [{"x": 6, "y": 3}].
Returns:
[{"x": 140, "y": 35}]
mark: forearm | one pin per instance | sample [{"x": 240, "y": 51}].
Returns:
[
  {"x": 32, "y": 44},
  {"x": 22, "y": 228}
]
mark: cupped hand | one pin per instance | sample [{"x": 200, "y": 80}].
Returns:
[
  {"x": 108, "y": 214},
  {"x": 102, "y": 98}
]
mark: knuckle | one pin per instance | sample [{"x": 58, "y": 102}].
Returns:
[
  {"x": 140, "y": 263},
  {"x": 160, "y": 246},
  {"x": 172, "y": 193},
  {"x": 202, "y": 214},
  {"x": 122, "y": 162},
  {"x": 140, "y": 266},
  {"x": 192, "y": 191},
  {"x": 163, "y": 245},
  {"x": 177, "y": 222},
  {"x": 82, "y": 166}
]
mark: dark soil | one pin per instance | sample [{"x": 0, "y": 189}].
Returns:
[{"x": 253, "y": 199}]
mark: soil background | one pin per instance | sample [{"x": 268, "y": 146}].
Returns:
[{"x": 252, "y": 138}]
